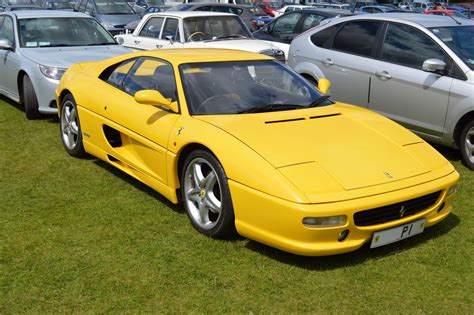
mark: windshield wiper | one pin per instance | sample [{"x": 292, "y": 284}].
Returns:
[
  {"x": 101, "y": 44},
  {"x": 54, "y": 45},
  {"x": 320, "y": 100},
  {"x": 270, "y": 108}
]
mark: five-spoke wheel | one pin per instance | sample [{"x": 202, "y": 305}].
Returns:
[
  {"x": 206, "y": 195},
  {"x": 70, "y": 129},
  {"x": 467, "y": 145}
]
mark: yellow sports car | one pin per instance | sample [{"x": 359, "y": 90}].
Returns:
[{"x": 249, "y": 146}]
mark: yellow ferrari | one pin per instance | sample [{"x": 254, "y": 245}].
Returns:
[{"x": 249, "y": 146}]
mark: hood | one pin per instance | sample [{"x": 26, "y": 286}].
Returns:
[
  {"x": 253, "y": 45},
  {"x": 331, "y": 147},
  {"x": 118, "y": 21},
  {"x": 64, "y": 57}
]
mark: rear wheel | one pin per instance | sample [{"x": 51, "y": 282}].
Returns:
[
  {"x": 70, "y": 127},
  {"x": 467, "y": 145},
  {"x": 30, "y": 102},
  {"x": 206, "y": 195}
]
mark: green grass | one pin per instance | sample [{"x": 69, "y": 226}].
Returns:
[{"x": 80, "y": 236}]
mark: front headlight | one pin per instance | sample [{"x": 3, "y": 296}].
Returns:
[
  {"x": 452, "y": 190},
  {"x": 278, "y": 54},
  {"x": 52, "y": 72}
]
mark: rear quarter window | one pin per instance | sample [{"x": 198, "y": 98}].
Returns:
[{"x": 321, "y": 38}]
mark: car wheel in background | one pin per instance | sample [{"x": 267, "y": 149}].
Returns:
[
  {"x": 467, "y": 144},
  {"x": 70, "y": 127},
  {"x": 206, "y": 196},
  {"x": 30, "y": 102}
]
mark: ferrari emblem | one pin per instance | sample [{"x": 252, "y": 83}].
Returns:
[
  {"x": 387, "y": 174},
  {"x": 377, "y": 238},
  {"x": 402, "y": 211}
]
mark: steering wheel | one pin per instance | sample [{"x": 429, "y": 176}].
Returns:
[
  {"x": 195, "y": 34},
  {"x": 213, "y": 103}
]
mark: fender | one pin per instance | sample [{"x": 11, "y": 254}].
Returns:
[{"x": 309, "y": 69}]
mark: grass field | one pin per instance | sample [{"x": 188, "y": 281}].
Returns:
[{"x": 80, "y": 236}]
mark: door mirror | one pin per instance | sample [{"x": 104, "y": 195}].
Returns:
[
  {"x": 152, "y": 97},
  {"x": 5, "y": 44},
  {"x": 170, "y": 39},
  {"x": 324, "y": 85},
  {"x": 434, "y": 65}
]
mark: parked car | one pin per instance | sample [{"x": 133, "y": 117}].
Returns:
[
  {"x": 452, "y": 13},
  {"x": 460, "y": 9},
  {"x": 64, "y": 5},
  {"x": 421, "y": 7},
  {"x": 268, "y": 6},
  {"x": 36, "y": 48},
  {"x": 141, "y": 6},
  {"x": 240, "y": 10},
  {"x": 113, "y": 15},
  {"x": 291, "y": 8},
  {"x": 259, "y": 18},
  {"x": 333, "y": 6},
  {"x": 380, "y": 9},
  {"x": 249, "y": 146},
  {"x": 286, "y": 27},
  {"x": 419, "y": 71},
  {"x": 17, "y": 5},
  {"x": 183, "y": 29}
]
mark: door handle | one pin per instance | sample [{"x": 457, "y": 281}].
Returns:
[
  {"x": 328, "y": 62},
  {"x": 136, "y": 42},
  {"x": 159, "y": 46},
  {"x": 384, "y": 75}
]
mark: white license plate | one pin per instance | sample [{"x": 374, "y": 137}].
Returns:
[{"x": 397, "y": 233}]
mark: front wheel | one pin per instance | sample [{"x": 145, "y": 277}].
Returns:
[
  {"x": 467, "y": 145},
  {"x": 70, "y": 127},
  {"x": 30, "y": 101},
  {"x": 206, "y": 195}
]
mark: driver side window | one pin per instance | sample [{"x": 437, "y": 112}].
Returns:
[
  {"x": 151, "y": 74},
  {"x": 6, "y": 29},
  {"x": 171, "y": 29},
  {"x": 152, "y": 28},
  {"x": 286, "y": 23}
]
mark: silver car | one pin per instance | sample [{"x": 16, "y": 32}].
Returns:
[
  {"x": 415, "y": 69},
  {"x": 36, "y": 48}
]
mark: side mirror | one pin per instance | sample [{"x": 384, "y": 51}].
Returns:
[
  {"x": 434, "y": 65},
  {"x": 170, "y": 39},
  {"x": 5, "y": 44},
  {"x": 152, "y": 97},
  {"x": 324, "y": 85}
]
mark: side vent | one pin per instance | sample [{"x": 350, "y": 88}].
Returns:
[
  {"x": 324, "y": 116},
  {"x": 283, "y": 120},
  {"x": 112, "y": 136}
]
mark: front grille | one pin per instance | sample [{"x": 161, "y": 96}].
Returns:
[{"x": 395, "y": 211}]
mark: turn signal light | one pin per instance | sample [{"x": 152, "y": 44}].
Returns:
[{"x": 322, "y": 222}]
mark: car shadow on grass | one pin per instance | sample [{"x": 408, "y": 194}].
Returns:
[
  {"x": 359, "y": 256},
  {"x": 53, "y": 118},
  {"x": 138, "y": 185}
]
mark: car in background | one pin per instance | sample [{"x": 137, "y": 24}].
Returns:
[
  {"x": 193, "y": 29},
  {"x": 112, "y": 14},
  {"x": 259, "y": 18},
  {"x": 460, "y": 9},
  {"x": 333, "y": 6},
  {"x": 285, "y": 28},
  {"x": 64, "y": 5},
  {"x": 269, "y": 7},
  {"x": 420, "y": 7},
  {"x": 141, "y": 7},
  {"x": 380, "y": 9},
  {"x": 17, "y": 5},
  {"x": 290, "y": 8},
  {"x": 36, "y": 48},
  {"x": 243, "y": 11},
  {"x": 250, "y": 147},
  {"x": 416, "y": 69},
  {"x": 452, "y": 13}
]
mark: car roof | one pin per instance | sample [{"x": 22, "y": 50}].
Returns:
[
  {"x": 183, "y": 14},
  {"x": 426, "y": 20},
  {"x": 47, "y": 13},
  {"x": 191, "y": 55}
]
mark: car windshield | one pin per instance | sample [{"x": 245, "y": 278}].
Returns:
[
  {"x": 61, "y": 32},
  {"x": 459, "y": 39},
  {"x": 235, "y": 87},
  {"x": 58, "y": 5},
  {"x": 113, "y": 7},
  {"x": 214, "y": 28}
]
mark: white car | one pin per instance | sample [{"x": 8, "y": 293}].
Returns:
[
  {"x": 198, "y": 30},
  {"x": 290, "y": 8}
]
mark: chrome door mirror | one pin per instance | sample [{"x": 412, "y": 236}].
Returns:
[
  {"x": 434, "y": 65},
  {"x": 170, "y": 39},
  {"x": 5, "y": 44}
]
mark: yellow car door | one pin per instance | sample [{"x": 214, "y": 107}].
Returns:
[{"x": 138, "y": 133}]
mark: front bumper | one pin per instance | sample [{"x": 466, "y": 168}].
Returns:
[
  {"x": 278, "y": 223},
  {"x": 45, "y": 93}
]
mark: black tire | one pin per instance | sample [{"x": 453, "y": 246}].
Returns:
[
  {"x": 311, "y": 80},
  {"x": 220, "y": 225},
  {"x": 467, "y": 137},
  {"x": 70, "y": 127},
  {"x": 30, "y": 102}
]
